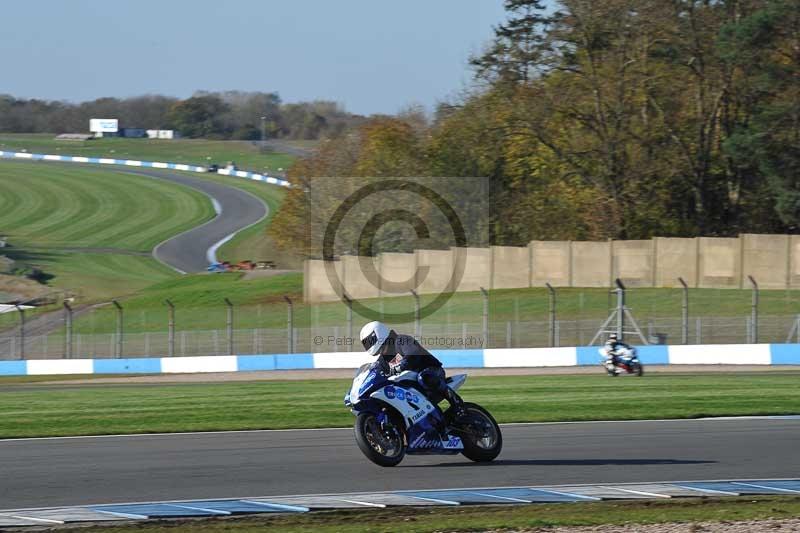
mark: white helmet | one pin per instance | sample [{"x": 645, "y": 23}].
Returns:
[{"x": 373, "y": 335}]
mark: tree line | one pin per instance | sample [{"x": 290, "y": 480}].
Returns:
[
  {"x": 212, "y": 115},
  {"x": 598, "y": 119}
]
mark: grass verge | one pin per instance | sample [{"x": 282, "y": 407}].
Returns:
[
  {"x": 494, "y": 518},
  {"x": 56, "y": 410},
  {"x": 246, "y": 154}
]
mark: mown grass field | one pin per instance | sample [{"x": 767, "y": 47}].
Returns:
[
  {"x": 54, "y": 410},
  {"x": 245, "y": 154},
  {"x": 91, "y": 229},
  {"x": 539, "y": 517}
]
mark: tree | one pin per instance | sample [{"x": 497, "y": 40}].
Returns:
[
  {"x": 199, "y": 116},
  {"x": 519, "y": 48}
]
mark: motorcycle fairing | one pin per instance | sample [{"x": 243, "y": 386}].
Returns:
[{"x": 421, "y": 418}]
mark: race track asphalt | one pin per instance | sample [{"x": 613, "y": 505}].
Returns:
[
  {"x": 187, "y": 252},
  {"x": 63, "y": 471}
]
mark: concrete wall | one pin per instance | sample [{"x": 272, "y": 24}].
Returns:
[
  {"x": 398, "y": 273},
  {"x": 511, "y": 267},
  {"x": 720, "y": 263},
  {"x": 675, "y": 258},
  {"x": 766, "y": 258},
  {"x": 591, "y": 264},
  {"x": 361, "y": 277},
  {"x": 477, "y": 268},
  {"x": 633, "y": 262},
  {"x": 705, "y": 262},
  {"x": 435, "y": 270},
  {"x": 550, "y": 262}
]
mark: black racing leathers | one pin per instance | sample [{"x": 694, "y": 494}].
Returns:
[{"x": 413, "y": 356}]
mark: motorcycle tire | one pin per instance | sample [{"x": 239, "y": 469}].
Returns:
[
  {"x": 365, "y": 427},
  {"x": 473, "y": 450},
  {"x": 639, "y": 370}
]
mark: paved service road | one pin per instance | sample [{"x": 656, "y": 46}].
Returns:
[
  {"x": 188, "y": 252},
  {"x": 51, "y": 472}
]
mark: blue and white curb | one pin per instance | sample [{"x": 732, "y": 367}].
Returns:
[
  {"x": 146, "y": 164},
  {"x": 709, "y": 354},
  {"x": 408, "y": 498}
]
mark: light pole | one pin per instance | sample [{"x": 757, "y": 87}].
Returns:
[{"x": 263, "y": 130}]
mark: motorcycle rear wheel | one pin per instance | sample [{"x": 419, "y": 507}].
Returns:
[
  {"x": 479, "y": 449},
  {"x": 384, "y": 448}
]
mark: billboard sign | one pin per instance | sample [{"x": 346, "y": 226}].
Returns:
[{"x": 104, "y": 125}]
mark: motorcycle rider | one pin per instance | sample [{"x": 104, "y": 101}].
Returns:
[
  {"x": 613, "y": 347},
  {"x": 379, "y": 340}
]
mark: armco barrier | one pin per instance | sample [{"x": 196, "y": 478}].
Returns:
[
  {"x": 144, "y": 164},
  {"x": 720, "y": 354}
]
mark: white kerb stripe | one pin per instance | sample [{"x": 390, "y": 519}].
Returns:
[
  {"x": 80, "y": 159},
  {"x": 208, "y": 363},
  {"x": 43, "y": 367},
  {"x": 720, "y": 354},
  {"x": 341, "y": 359},
  {"x": 50, "y": 157},
  {"x": 529, "y": 357}
]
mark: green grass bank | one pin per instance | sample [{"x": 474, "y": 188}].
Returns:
[{"x": 32, "y": 410}]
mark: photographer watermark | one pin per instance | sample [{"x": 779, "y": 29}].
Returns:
[
  {"x": 430, "y": 342},
  {"x": 400, "y": 236}
]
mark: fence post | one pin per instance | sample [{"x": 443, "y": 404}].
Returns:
[
  {"x": 485, "y": 294},
  {"x": 684, "y": 312},
  {"x": 21, "y": 332},
  {"x": 620, "y": 290},
  {"x": 754, "y": 310},
  {"x": 118, "y": 348},
  {"x": 552, "y": 315},
  {"x": 797, "y": 324},
  {"x": 171, "y": 327},
  {"x": 230, "y": 326},
  {"x": 349, "y": 304},
  {"x": 290, "y": 323},
  {"x": 417, "y": 324},
  {"x": 67, "y": 331}
]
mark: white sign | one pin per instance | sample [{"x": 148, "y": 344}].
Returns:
[{"x": 104, "y": 125}]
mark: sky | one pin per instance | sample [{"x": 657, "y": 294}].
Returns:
[{"x": 373, "y": 56}]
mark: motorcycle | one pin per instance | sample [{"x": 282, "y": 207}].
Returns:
[
  {"x": 394, "y": 417},
  {"x": 626, "y": 361}
]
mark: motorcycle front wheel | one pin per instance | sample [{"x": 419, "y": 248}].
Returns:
[
  {"x": 480, "y": 434},
  {"x": 384, "y": 447}
]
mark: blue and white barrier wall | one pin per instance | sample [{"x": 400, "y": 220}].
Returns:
[
  {"x": 711, "y": 354},
  {"x": 136, "y": 163}
]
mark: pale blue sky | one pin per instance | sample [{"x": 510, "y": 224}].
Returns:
[{"x": 372, "y": 56}]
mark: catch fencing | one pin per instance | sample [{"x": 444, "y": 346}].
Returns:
[{"x": 465, "y": 335}]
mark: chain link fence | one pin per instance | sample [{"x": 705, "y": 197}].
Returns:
[{"x": 461, "y": 335}]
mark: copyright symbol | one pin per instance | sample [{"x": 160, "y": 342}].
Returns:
[
  {"x": 318, "y": 340},
  {"x": 370, "y": 231}
]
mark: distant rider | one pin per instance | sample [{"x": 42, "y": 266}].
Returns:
[
  {"x": 378, "y": 339},
  {"x": 613, "y": 348}
]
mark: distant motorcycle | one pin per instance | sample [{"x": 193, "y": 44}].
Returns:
[
  {"x": 623, "y": 360},
  {"x": 394, "y": 417}
]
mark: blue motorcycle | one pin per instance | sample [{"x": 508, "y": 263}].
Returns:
[{"x": 394, "y": 417}]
